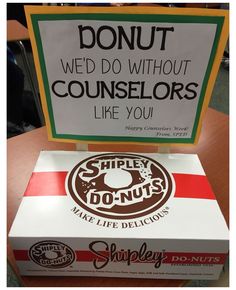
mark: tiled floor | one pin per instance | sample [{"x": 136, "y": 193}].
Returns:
[
  {"x": 222, "y": 282},
  {"x": 220, "y": 102},
  {"x": 12, "y": 280}
]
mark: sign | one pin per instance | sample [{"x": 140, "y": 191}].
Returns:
[{"x": 126, "y": 74}]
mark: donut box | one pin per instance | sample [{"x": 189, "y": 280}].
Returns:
[{"x": 119, "y": 215}]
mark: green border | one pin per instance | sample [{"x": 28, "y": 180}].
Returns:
[{"x": 219, "y": 20}]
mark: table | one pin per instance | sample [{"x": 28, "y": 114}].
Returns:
[
  {"x": 16, "y": 32},
  {"x": 23, "y": 150}
]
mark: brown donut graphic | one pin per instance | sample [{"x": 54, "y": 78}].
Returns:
[
  {"x": 120, "y": 185},
  {"x": 52, "y": 254}
]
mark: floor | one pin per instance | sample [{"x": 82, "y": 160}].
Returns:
[{"x": 220, "y": 102}]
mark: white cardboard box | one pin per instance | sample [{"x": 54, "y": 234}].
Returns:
[{"x": 119, "y": 214}]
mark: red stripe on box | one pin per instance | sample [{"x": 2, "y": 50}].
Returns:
[
  {"x": 195, "y": 258},
  {"x": 170, "y": 257},
  {"x": 46, "y": 184},
  {"x": 192, "y": 186},
  {"x": 88, "y": 256},
  {"x": 21, "y": 255},
  {"x": 53, "y": 184}
]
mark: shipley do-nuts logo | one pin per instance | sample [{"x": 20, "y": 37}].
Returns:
[
  {"x": 52, "y": 254},
  {"x": 120, "y": 185}
]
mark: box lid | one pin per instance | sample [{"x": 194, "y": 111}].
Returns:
[{"x": 116, "y": 195}]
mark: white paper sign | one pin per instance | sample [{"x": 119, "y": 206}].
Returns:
[{"x": 120, "y": 78}]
